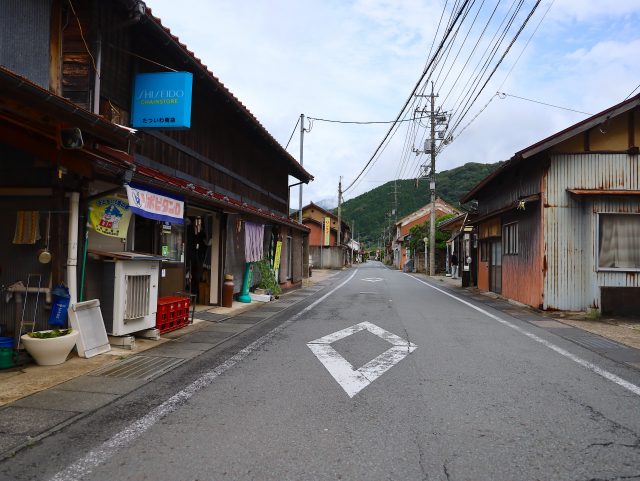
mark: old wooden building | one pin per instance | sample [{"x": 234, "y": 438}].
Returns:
[
  {"x": 559, "y": 223},
  {"x": 68, "y": 137}
]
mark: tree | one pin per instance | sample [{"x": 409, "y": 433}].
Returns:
[{"x": 422, "y": 231}]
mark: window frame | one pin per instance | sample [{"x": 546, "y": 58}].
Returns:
[
  {"x": 598, "y": 240},
  {"x": 510, "y": 239}
]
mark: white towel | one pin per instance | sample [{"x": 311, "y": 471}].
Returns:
[{"x": 253, "y": 241}]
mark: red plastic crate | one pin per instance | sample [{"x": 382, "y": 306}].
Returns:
[{"x": 173, "y": 313}]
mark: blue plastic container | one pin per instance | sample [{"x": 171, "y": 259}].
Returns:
[
  {"x": 61, "y": 298},
  {"x": 6, "y": 352}
]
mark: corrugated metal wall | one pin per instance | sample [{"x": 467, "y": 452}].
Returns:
[
  {"x": 24, "y": 38},
  {"x": 522, "y": 273},
  {"x": 572, "y": 281}
]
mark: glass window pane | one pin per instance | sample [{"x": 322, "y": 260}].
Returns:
[{"x": 619, "y": 239}]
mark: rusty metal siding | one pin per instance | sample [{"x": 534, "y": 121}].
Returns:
[
  {"x": 24, "y": 37},
  {"x": 522, "y": 273},
  {"x": 572, "y": 281}
]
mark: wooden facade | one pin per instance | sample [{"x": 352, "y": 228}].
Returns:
[{"x": 227, "y": 168}]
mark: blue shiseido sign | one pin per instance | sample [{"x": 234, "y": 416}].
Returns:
[{"x": 162, "y": 100}]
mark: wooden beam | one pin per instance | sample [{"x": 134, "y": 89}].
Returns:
[
  {"x": 55, "y": 49},
  {"x": 632, "y": 127},
  {"x": 585, "y": 139}
]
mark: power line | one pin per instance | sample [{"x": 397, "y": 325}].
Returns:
[
  {"x": 409, "y": 99},
  {"x": 503, "y": 95},
  {"x": 495, "y": 68},
  {"x": 631, "y": 93},
  {"x": 292, "y": 132},
  {"x": 365, "y": 122},
  {"x": 511, "y": 70}
]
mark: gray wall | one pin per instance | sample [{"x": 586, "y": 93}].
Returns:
[
  {"x": 24, "y": 38},
  {"x": 332, "y": 257}
]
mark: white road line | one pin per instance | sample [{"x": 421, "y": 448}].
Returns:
[
  {"x": 584, "y": 363},
  {"x": 85, "y": 465}
]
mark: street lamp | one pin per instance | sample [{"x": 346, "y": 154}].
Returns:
[{"x": 425, "y": 240}]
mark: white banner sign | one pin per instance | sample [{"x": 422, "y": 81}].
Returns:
[{"x": 153, "y": 205}]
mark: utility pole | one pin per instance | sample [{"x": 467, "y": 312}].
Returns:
[
  {"x": 339, "y": 209},
  {"x": 437, "y": 118},
  {"x": 432, "y": 186},
  {"x": 353, "y": 235},
  {"x": 301, "y": 163},
  {"x": 395, "y": 200}
]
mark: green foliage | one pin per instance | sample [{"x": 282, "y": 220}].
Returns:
[
  {"x": 371, "y": 209},
  {"x": 50, "y": 334},
  {"x": 419, "y": 232},
  {"x": 268, "y": 277}
]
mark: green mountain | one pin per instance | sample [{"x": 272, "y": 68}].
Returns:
[{"x": 370, "y": 210}]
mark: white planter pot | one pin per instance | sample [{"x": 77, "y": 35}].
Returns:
[{"x": 48, "y": 352}]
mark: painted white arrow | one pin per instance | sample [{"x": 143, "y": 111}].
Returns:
[
  {"x": 372, "y": 279},
  {"x": 354, "y": 380}
]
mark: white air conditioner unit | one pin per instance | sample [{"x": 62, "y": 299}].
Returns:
[{"x": 130, "y": 296}]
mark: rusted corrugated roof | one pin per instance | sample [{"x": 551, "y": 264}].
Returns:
[
  {"x": 555, "y": 139},
  {"x": 297, "y": 168}
]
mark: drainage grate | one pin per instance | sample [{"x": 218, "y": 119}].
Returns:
[
  {"x": 594, "y": 342},
  {"x": 139, "y": 367},
  {"x": 210, "y": 316}
]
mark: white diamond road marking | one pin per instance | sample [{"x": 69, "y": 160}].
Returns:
[
  {"x": 354, "y": 380},
  {"x": 372, "y": 279}
]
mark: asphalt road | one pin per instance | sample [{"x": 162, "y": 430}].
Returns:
[{"x": 413, "y": 385}]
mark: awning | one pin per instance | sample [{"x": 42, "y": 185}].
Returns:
[{"x": 603, "y": 192}]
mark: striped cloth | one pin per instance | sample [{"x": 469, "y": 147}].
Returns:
[
  {"x": 253, "y": 241},
  {"x": 27, "y": 227}
]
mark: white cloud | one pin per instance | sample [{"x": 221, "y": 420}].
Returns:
[{"x": 359, "y": 60}]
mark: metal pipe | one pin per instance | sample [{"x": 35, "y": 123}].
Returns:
[{"x": 72, "y": 253}]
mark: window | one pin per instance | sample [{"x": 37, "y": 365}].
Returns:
[
  {"x": 172, "y": 241},
  {"x": 510, "y": 239},
  {"x": 619, "y": 241},
  {"x": 289, "y": 258},
  {"x": 484, "y": 251}
]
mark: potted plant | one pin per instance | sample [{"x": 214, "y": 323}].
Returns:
[
  {"x": 50, "y": 347},
  {"x": 268, "y": 283}
]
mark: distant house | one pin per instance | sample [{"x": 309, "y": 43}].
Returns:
[
  {"x": 559, "y": 224},
  {"x": 403, "y": 229},
  {"x": 325, "y": 249}
]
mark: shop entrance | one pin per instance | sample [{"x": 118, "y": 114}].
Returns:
[
  {"x": 203, "y": 255},
  {"x": 495, "y": 266}
]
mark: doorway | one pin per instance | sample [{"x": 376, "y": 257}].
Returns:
[
  {"x": 203, "y": 255},
  {"x": 495, "y": 266}
]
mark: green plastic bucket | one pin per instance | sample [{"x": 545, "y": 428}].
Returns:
[{"x": 6, "y": 357}]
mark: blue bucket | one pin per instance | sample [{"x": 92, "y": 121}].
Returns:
[{"x": 6, "y": 342}]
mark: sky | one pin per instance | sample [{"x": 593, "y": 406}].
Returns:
[{"x": 360, "y": 60}]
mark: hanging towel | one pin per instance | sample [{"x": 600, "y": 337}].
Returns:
[
  {"x": 253, "y": 241},
  {"x": 27, "y": 227}
]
